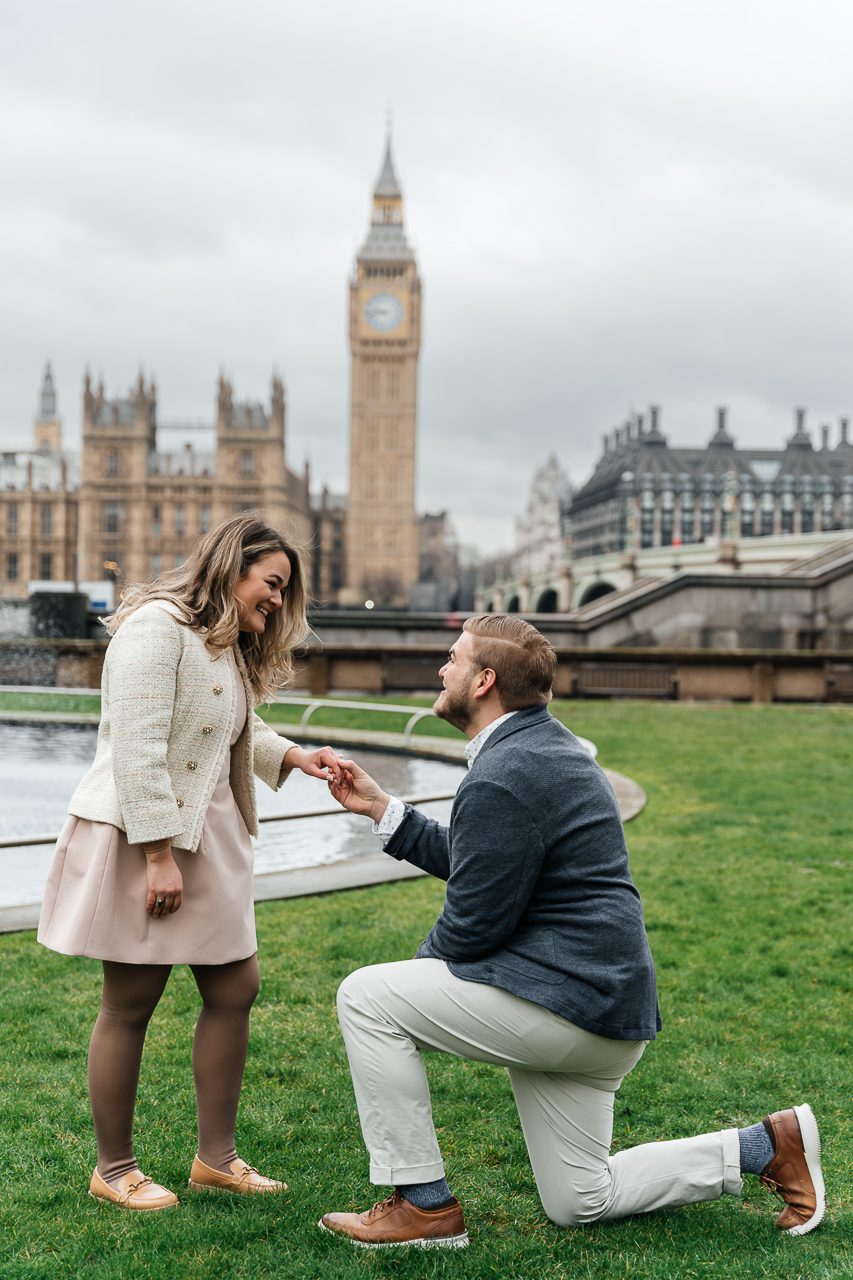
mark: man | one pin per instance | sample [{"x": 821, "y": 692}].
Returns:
[{"x": 538, "y": 962}]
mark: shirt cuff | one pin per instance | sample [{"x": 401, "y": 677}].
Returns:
[{"x": 390, "y": 820}]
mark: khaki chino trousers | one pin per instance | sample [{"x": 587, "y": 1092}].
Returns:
[{"x": 564, "y": 1080}]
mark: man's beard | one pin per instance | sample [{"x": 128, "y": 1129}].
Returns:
[{"x": 456, "y": 707}]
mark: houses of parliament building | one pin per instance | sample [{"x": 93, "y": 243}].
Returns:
[{"x": 133, "y": 501}]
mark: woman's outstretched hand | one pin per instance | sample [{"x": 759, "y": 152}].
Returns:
[
  {"x": 357, "y": 791},
  {"x": 322, "y": 763}
]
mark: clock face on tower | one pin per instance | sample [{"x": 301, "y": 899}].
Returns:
[{"x": 383, "y": 312}]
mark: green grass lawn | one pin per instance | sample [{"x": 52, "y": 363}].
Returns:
[
  {"x": 743, "y": 859},
  {"x": 49, "y": 701},
  {"x": 349, "y": 718}
]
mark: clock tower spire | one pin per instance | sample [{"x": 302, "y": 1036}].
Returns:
[{"x": 385, "y": 339}]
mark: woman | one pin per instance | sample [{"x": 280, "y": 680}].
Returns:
[{"x": 154, "y": 865}]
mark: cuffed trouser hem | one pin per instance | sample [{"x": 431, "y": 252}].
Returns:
[
  {"x": 732, "y": 1177},
  {"x": 386, "y": 1175}
]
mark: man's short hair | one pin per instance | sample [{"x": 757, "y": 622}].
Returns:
[{"x": 523, "y": 661}]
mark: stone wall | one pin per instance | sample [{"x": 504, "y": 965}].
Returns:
[
  {"x": 70, "y": 664},
  {"x": 692, "y": 674}
]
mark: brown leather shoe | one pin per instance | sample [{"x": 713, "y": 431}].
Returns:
[
  {"x": 243, "y": 1180},
  {"x": 395, "y": 1221},
  {"x": 794, "y": 1173},
  {"x": 133, "y": 1191}
]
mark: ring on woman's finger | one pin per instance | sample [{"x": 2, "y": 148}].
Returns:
[{"x": 159, "y": 902}]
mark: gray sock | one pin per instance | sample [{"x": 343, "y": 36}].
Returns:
[
  {"x": 756, "y": 1148},
  {"x": 427, "y": 1195}
]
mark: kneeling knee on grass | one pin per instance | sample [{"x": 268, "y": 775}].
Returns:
[{"x": 575, "y": 1206}]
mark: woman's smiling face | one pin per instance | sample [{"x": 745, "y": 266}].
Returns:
[{"x": 260, "y": 591}]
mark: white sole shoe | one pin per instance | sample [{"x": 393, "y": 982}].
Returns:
[
  {"x": 811, "y": 1147},
  {"x": 425, "y": 1242}
]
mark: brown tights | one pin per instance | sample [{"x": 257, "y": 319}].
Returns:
[{"x": 131, "y": 994}]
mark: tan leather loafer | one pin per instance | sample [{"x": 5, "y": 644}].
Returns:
[
  {"x": 243, "y": 1180},
  {"x": 133, "y": 1191},
  {"x": 394, "y": 1222},
  {"x": 794, "y": 1173}
]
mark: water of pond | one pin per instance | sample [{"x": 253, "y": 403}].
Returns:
[{"x": 40, "y": 765}]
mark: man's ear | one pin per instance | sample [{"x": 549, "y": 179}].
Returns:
[{"x": 486, "y": 681}]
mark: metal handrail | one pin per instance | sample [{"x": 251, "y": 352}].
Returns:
[
  {"x": 16, "y": 842},
  {"x": 315, "y": 704},
  {"x": 416, "y": 714}
]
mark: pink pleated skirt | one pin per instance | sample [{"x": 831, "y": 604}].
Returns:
[{"x": 94, "y": 901}]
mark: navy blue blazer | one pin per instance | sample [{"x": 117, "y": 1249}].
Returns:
[{"x": 539, "y": 899}]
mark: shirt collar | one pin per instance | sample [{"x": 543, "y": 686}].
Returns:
[{"x": 475, "y": 746}]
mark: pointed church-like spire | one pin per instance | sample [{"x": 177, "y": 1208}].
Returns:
[
  {"x": 48, "y": 428},
  {"x": 387, "y": 184},
  {"x": 47, "y": 397},
  {"x": 386, "y": 238}
]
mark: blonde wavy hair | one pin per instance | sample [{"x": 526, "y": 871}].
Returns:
[{"x": 202, "y": 589}]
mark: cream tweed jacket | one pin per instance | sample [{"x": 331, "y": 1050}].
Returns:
[{"x": 167, "y": 713}]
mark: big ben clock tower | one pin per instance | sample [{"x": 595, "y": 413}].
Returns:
[{"x": 385, "y": 339}]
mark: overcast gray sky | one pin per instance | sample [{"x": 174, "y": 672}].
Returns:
[{"x": 612, "y": 203}]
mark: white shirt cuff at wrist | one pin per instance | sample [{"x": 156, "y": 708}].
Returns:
[{"x": 390, "y": 820}]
